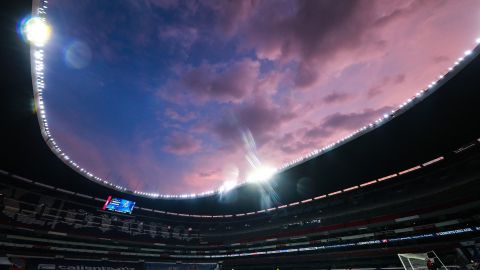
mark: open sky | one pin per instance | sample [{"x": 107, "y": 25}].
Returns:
[{"x": 173, "y": 96}]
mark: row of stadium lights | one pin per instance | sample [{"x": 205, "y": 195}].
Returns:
[
  {"x": 379, "y": 180},
  {"x": 273, "y": 208},
  {"x": 38, "y": 60}
]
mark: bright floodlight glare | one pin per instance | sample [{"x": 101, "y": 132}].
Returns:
[
  {"x": 261, "y": 174},
  {"x": 227, "y": 186},
  {"x": 37, "y": 31}
]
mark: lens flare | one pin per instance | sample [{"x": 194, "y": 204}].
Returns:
[
  {"x": 36, "y": 31},
  {"x": 227, "y": 186},
  {"x": 261, "y": 174},
  {"x": 78, "y": 55}
]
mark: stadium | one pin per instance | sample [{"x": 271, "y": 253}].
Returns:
[{"x": 395, "y": 193}]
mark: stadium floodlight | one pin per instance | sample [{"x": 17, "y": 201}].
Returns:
[
  {"x": 227, "y": 186},
  {"x": 468, "y": 52},
  {"x": 37, "y": 31},
  {"x": 261, "y": 174}
]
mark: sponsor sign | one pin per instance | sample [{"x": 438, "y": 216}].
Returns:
[
  {"x": 81, "y": 265},
  {"x": 180, "y": 266},
  {"x": 106, "y": 265}
]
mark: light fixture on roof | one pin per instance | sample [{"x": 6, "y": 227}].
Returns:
[
  {"x": 261, "y": 174},
  {"x": 37, "y": 31},
  {"x": 227, "y": 186}
]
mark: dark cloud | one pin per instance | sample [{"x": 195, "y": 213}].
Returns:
[
  {"x": 296, "y": 147},
  {"x": 229, "y": 82},
  {"x": 441, "y": 59},
  {"x": 306, "y": 139},
  {"x": 209, "y": 173},
  {"x": 402, "y": 12},
  {"x": 230, "y": 14},
  {"x": 318, "y": 132},
  {"x": 336, "y": 97},
  {"x": 384, "y": 84},
  {"x": 307, "y": 32},
  {"x": 260, "y": 117},
  {"x": 375, "y": 90},
  {"x": 344, "y": 122},
  {"x": 351, "y": 121},
  {"x": 400, "y": 78},
  {"x": 181, "y": 144},
  {"x": 303, "y": 140},
  {"x": 316, "y": 34}
]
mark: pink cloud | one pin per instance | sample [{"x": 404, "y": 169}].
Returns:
[
  {"x": 385, "y": 84},
  {"x": 307, "y": 32},
  {"x": 260, "y": 116},
  {"x": 174, "y": 115},
  {"x": 204, "y": 179},
  {"x": 181, "y": 144},
  {"x": 336, "y": 98},
  {"x": 296, "y": 147},
  {"x": 324, "y": 37},
  {"x": 352, "y": 121},
  {"x": 230, "y": 14},
  {"x": 268, "y": 84},
  {"x": 330, "y": 128},
  {"x": 223, "y": 83}
]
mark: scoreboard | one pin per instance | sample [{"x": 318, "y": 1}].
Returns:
[{"x": 118, "y": 205}]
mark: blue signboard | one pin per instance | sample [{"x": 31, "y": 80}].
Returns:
[{"x": 118, "y": 205}]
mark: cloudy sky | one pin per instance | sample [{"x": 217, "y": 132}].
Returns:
[{"x": 173, "y": 96}]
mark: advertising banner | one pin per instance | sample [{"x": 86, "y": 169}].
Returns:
[
  {"x": 179, "y": 266},
  {"x": 81, "y": 265},
  {"x": 106, "y": 265}
]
